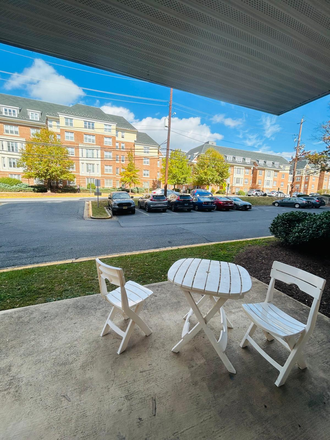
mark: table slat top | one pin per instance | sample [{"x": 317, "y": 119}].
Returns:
[{"x": 210, "y": 277}]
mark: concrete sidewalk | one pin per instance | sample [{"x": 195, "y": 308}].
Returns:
[{"x": 61, "y": 380}]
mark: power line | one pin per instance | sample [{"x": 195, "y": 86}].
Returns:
[{"x": 83, "y": 88}]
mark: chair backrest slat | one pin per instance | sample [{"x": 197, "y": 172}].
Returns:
[
  {"x": 307, "y": 282},
  {"x": 115, "y": 276}
]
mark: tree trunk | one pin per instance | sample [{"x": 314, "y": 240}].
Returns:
[{"x": 49, "y": 182}]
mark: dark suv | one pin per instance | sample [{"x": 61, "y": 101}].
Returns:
[
  {"x": 121, "y": 202},
  {"x": 181, "y": 201}
]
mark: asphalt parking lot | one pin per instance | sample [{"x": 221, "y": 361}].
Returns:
[{"x": 52, "y": 230}]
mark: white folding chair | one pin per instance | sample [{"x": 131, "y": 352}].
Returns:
[
  {"x": 277, "y": 324},
  {"x": 127, "y": 299}
]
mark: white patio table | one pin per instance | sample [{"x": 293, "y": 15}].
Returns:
[{"x": 217, "y": 281}]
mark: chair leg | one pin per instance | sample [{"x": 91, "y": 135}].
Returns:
[
  {"x": 134, "y": 319},
  {"x": 107, "y": 328},
  {"x": 295, "y": 356},
  {"x": 126, "y": 338},
  {"x": 249, "y": 332}
]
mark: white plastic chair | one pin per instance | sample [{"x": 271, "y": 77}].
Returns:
[
  {"x": 127, "y": 299},
  {"x": 277, "y": 324}
]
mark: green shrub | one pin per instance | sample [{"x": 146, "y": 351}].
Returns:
[
  {"x": 91, "y": 186},
  {"x": 22, "y": 187},
  {"x": 39, "y": 188},
  {"x": 302, "y": 228},
  {"x": 221, "y": 191},
  {"x": 241, "y": 193},
  {"x": 10, "y": 181}
]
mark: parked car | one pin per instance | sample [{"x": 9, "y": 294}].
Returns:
[
  {"x": 276, "y": 194},
  {"x": 180, "y": 202},
  {"x": 315, "y": 195},
  {"x": 151, "y": 202},
  {"x": 295, "y": 202},
  {"x": 317, "y": 202},
  {"x": 241, "y": 204},
  {"x": 121, "y": 202},
  {"x": 203, "y": 203},
  {"x": 256, "y": 193},
  {"x": 223, "y": 203},
  {"x": 200, "y": 192},
  {"x": 160, "y": 191}
]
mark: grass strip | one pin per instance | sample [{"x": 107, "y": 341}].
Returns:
[
  {"x": 265, "y": 201},
  {"x": 99, "y": 211},
  {"x": 38, "y": 285}
]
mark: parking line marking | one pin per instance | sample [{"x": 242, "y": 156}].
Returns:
[{"x": 141, "y": 212}]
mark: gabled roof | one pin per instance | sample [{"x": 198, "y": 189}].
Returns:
[
  {"x": 235, "y": 152},
  {"x": 145, "y": 139},
  {"x": 50, "y": 109}
]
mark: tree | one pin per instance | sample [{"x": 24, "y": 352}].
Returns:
[
  {"x": 179, "y": 170},
  {"x": 130, "y": 176},
  {"x": 210, "y": 169},
  {"x": 322, "y": 159},
  {"x": 46, "y": 159}
]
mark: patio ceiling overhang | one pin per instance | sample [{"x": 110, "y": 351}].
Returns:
[{"x": 269, "y": 55}]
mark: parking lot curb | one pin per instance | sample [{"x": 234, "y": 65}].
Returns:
[{"x": 125, "y": 254}]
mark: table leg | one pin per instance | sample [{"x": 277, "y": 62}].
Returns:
[
  {"x": 202, "y": 324},
  {"x": 229, "y": 324}
]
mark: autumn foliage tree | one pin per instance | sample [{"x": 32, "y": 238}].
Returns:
[
  {"x": 45, "y": 158},
  {"x": 179, "y": 170},
  {"x": 210, "y": 169},
  {"x": 322, "y": 159},
  {"x": 130, "y": 176}
]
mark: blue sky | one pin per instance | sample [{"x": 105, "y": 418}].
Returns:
[{"x": 196, "y": 120}]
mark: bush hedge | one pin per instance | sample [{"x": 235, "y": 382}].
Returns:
[
  {"x": 302, "y": 228},
  {"x": 10, "y": 181}
]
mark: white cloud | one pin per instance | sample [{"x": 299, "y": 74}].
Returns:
[
  {"x": 186, "y": 133},
  {"x": 119, "y": 111},
  {"x": 265, "y": 149},
  {"x": 228, "y": 122},
  {"x": 43, "y": 82},
  {"x": 269, "y": 126}
]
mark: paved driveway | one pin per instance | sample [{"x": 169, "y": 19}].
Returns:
[{"x": 34, "y": 232}]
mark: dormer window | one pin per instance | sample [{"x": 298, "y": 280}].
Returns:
[
  {"x": 34, "y": 115},
  {"x": 277, "y": 164},
  {"x": 89, "y": 125},
  {"x": 238, "y": 159},
  {"x": 229, "y": 158},
  {"x": 269, "y": 163},
  {"x": 10, "y": 111},
  {"x": 247, "y": 160}
]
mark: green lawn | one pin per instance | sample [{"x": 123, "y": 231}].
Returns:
[
  {"x": 258, "y": 200},
  {"x": 19, "y": 288},
  {"x": 100, "y": 212}
]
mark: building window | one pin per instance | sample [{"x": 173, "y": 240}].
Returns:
[
  {"x": 282, "y": 183},
  {"x": 313, "y": 179},
  {"x": 306, "y": 185},
  {"x": 274, "y": 183},
  {"x": 146, "y": 185},
  {"x": 145, "y": 173},
  {"x": 89, "y": 125},
  {"x": 90, "y": 167},
  {"x": 11, "y": 129},
  {"x": 146, "y": 161},
  {"x": 50, "y": 124},
  {"x": 117, "y": 158},
  {"x": 283, "y": 176},
  {"x": 69, "y": 136},
  {"x": 108, "y": 155},
  {"x": 9, "y": 112},
  {"x": 247, "y": 160},
  {"x": 68, "y": 122},
  {"x": 259, "y": 182},
  {"x": 122, "y": 135},
  {"x": 275, "y": 174},
  {"x": 89, "y": 139},
  {"x": 70, "y": 151},
  {"x": 146, "y": 150},
  {"x": 90, "y": 153},
  {"x": 158, "y": 163},
  {"x": 238, "y": 170},
  {"x": 73, "y": 167},
  {"x": 108, "y": 183},
  {"x": 238, "y": 181},
  {"x": 118, "y": 134},
  {"x": 246, "y": 181},
  {"x": 12, "y": 146},
  {"x": 34, "y": 131},
  {"x": 58, "y": 137},
  {"x": 269, "y": 174},
  {"x": 123, "y": 159},
  {"x": 238, "y": 159},
  {"x": 117, "y": 145},
  {"x": 298, "y": 179},
  {"x": 229, "y": 158},
  {"x": 306, "y": 178},
  {"x": 117, "y": 170},
  {"x": 312, "y": 186},
  {"x": 34, "y": 116},
  {"x": 247, "y": 171},
  {"x": 15, "y": 176},
  {"x": 123, "y": 146},
  {"x": 12, "y": 162},
  {"x": 107, "y": 141},
  {"x": 108, "y": 169},
  {"x": 260, "y": 172},
  {"x": 158, "y": 174},
  {"x": 107, "y": 128}
]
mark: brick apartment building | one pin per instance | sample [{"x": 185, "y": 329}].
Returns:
[
  {"x": 250, "y": 169},
  {"x": 309, "y": 180},
  {"x": 98, "y": 143}
]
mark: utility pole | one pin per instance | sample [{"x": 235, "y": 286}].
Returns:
[
  {"x": 296, "y": 158},
  {"x": 168, "y": 142}
]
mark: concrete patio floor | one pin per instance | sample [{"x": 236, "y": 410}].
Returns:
[{"x": 61, "y": 380}]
